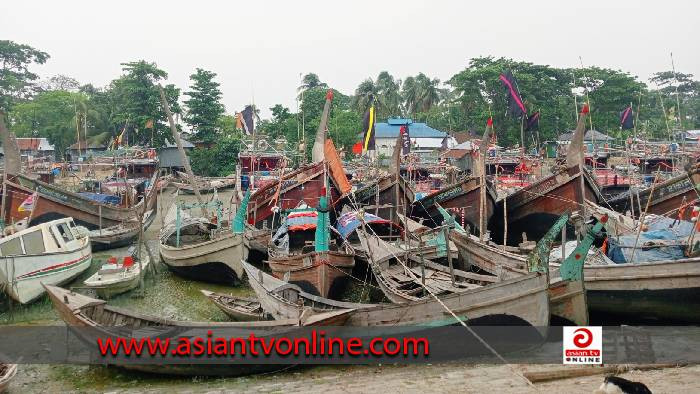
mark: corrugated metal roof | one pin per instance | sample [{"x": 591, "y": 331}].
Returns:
[
  {"x": 416, "y": 130},
  {"x": 185, "y": 144}
]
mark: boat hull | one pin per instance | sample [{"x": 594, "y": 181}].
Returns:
[
  {"x": 668, "y": 290},
  {"x": 29, "y": 272},
  {"x": 7, "y": 372},
  {"x": 122, "y": 238},
  {"x": 217, "y": 261},
  {"x": 316, "y": 273}
]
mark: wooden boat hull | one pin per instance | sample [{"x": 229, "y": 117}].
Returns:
[
  {"x": 110, "y": 285},
  {"x": 123, "y": 237},
  {"x": 7, "y": 372},
  {"x": 316, "y": 273},
  {"x": 668, "y": 196},
  {"x": 522, "y": 300},
  {"x": 90, "y": 319},
  {"x": 461, "y": 198},
  {"x": 668, "y": 290},
  {"x": 567, "y": 299},
  {"x": 25, "y": 275},
  {"x": 218, "y": 260},
  {"x": 54, "y": 203},
  {"x": 534, "y": 209},
  {"x": 383, "y": 207},
  {"x": 237, "y": 314}
]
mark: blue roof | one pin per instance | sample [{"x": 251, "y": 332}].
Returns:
[{"x": 390, "y": 129}]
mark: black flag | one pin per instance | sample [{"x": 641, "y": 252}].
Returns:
[
  {"x": 515, "y": 104},
  {"x": 368, "y": 129},
  {"x": 627, "y": 118},
  {"x": 533, "y": 122},
  {"x": 247, "y": 120},
  {"x": 405, "y": 140}
]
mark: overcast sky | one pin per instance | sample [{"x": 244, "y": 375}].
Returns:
[{"x": 259, "y": 48}]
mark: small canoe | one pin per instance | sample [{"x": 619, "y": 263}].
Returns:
[
  {"x": 237, "y": 308},
  {"x": 7, "y": 372}
]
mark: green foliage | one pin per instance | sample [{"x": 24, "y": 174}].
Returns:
[
  {"x": 204, "y": 108},
  {"x": 217, "y": 160},
  {"x": 52, "y": 115},
  {"x": 16, "y": 81}
]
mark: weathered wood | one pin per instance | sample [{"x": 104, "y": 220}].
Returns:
[
  {"x": 322, "y": 276},
  {"x": 576, "y": 372}
]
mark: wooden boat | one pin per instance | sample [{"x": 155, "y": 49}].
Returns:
[
  {"x": 53, "y": 202},
  {"x": 415, "y": 279},
  {"x": 668, "y": 196},
  {"x": 7, "y": 372},
  {"x": 202, "y": 250},
  {"x": 91, "y": 318},
  {"x": 523, "y": 300},
  {"x": 238, "y": 308},
  {"x": 49, "y": 253},
  {"x": 535, "y": 208},
  {"x": 120, "y": 235},
  {"x": 205, "y": 184},
  {"x": 115, "y": 278},
  {"x": 435, "y": 243},
  {"x": 462, "y": 197},
  {"x": 379, "y": 198},
  {"x": 301, "y": 251}
]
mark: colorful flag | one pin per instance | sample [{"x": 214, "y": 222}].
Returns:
[
  {"x": 247, "y": 120},
  {"x": 28, "y": 203},
  {"x": 515, "y": 104},
  {"x": 239, "y": 121},
  {"x": 627, "y": 118},
  {"x": 533, "y": 122},
  {"x": 368, "y": 129},
  {"x": 405, "y": 140}
]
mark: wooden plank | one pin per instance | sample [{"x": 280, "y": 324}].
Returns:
[{"x": 567, "y": 373}]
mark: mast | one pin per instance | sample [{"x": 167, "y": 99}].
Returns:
[
  {"x": 483, "y": 151},
  {"x": 320, "y": 141}
]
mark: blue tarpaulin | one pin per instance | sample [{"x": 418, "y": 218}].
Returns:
[
  {"x": 659, "y": 231},
  {"x": 348, "y": 222},
  {"x": 102, "y": 198}
]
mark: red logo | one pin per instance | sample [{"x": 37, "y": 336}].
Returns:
[{"x": 584, "y": 338}]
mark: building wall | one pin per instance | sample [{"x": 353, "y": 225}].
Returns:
[
  {"x": 385, "y": 146},
  {"x": 170, "y": 157}
]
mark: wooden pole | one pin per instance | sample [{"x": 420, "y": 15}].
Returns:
[
  {"x": 449, "y": 255},
  {"x": 568, "y": 373},
  {"x": 646, "y": 209},
  {"x": 185, "y": 160}
]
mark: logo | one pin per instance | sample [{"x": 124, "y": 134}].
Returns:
[{"x": 583, "y": 345}]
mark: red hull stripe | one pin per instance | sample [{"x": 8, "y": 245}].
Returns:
[{"x": 57, "y": 267}]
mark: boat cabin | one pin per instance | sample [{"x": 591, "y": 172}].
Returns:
[{"x": 55, "y": 236}]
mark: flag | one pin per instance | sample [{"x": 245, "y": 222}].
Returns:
[
  {"x": 149, "y": 124},
  {"x": 405, "y": 140},
  {"x": 239, "y": 121},
  {"x": 368, "y": 129},
  {"x": 533, "y": 122},
  {"x": 627, "y": 118},
  {"x": 28, "y": 203},
  {"x": 247, "y": 120},
  {"x": 515, "y": 104},
  {"x": 357, "y": 148}
]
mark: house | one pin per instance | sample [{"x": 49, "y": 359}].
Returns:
[
  {"x": 169, "y": 156},
  {"x": 424, "y": 139},
  {"x": 596, "y": 143},
  {"x": 84, "y": 149},
  {"x": 591, "y": 136},
  {"x": 461, "y": 156},
  {"x": 35, "y": 148}
]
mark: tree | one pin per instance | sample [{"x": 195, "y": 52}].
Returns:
[
  {"x": 204, "y": 108},
  {"x": 60, "y": 82},
  {"x": 410, "y": 95},
  {"x": 280, "y": 113},
  {"x": 363, "y": 94},
  {"x": 218, "y": 160},
  {"x": 16, "y": 81},
  {"x": 389, "y": 92},
  {"x": 51, "y": 115},
  {"x": 138, "y": 103},
  {"x": 428, "y": 92}
]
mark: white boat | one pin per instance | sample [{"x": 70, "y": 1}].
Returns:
[
  {"x": 49, "y": 253},
  {"x": 117, "y": 277}
]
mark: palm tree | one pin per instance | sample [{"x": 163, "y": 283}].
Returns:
[
  {"x": 388, "y": 91},
  {"x": 310, "y": 81},
  {"x": 409, "y": 91},
  {"x": 428, "y": 92},
  {"x": 364, "y": 94}
]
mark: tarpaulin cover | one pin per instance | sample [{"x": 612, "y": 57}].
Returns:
[
  {"x": 348, "y": 222},
  {"x": 659, "y": 232},
  {"x": 102, "y": 198}
]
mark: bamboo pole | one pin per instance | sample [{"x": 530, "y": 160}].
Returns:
[
  {"x": 646, "y": 209},
  {"x": 567, "y": 373},
  {"x": 185, "y": 160}
]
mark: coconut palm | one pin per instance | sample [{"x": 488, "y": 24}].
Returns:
[
  {"x": 410, "y": 94},
  {"x": 389, "y": 93},
  {"x": 310, "y": 81},
  {"x": 364, "y": 93},
  {"x": 428, "y": 92}
]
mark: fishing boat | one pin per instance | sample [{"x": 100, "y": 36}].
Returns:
[
  {"x": 90, "y": 318},
  {"x": 669, "y": 196},
  {"x": 462, "y": 197},
  {"x": 301, "y": 251},
  {"x": 380, "y": 197},
  {"x": 120, "y": 235},
  {"x": 521, "y": 300},
  {"x": 205, "y": 184},
  {"x": 117, "y": 277},
  {"x": 202, "y": 249},
  {"x": 7, "y": 372},
  {"x": 403, "y": 277},
  {"x": 51, "y": 253},
  {"x": 348, "y": 223},
  {"x": 535, "y": 208},
  {"x": 237, "y": 308}
]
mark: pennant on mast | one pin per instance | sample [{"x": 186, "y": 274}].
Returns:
[{"x": 516, "y": 108}]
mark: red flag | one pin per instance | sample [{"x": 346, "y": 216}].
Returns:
[
  {"x": 357, "y": 148},
  {"x": 489, "y": 122}
]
